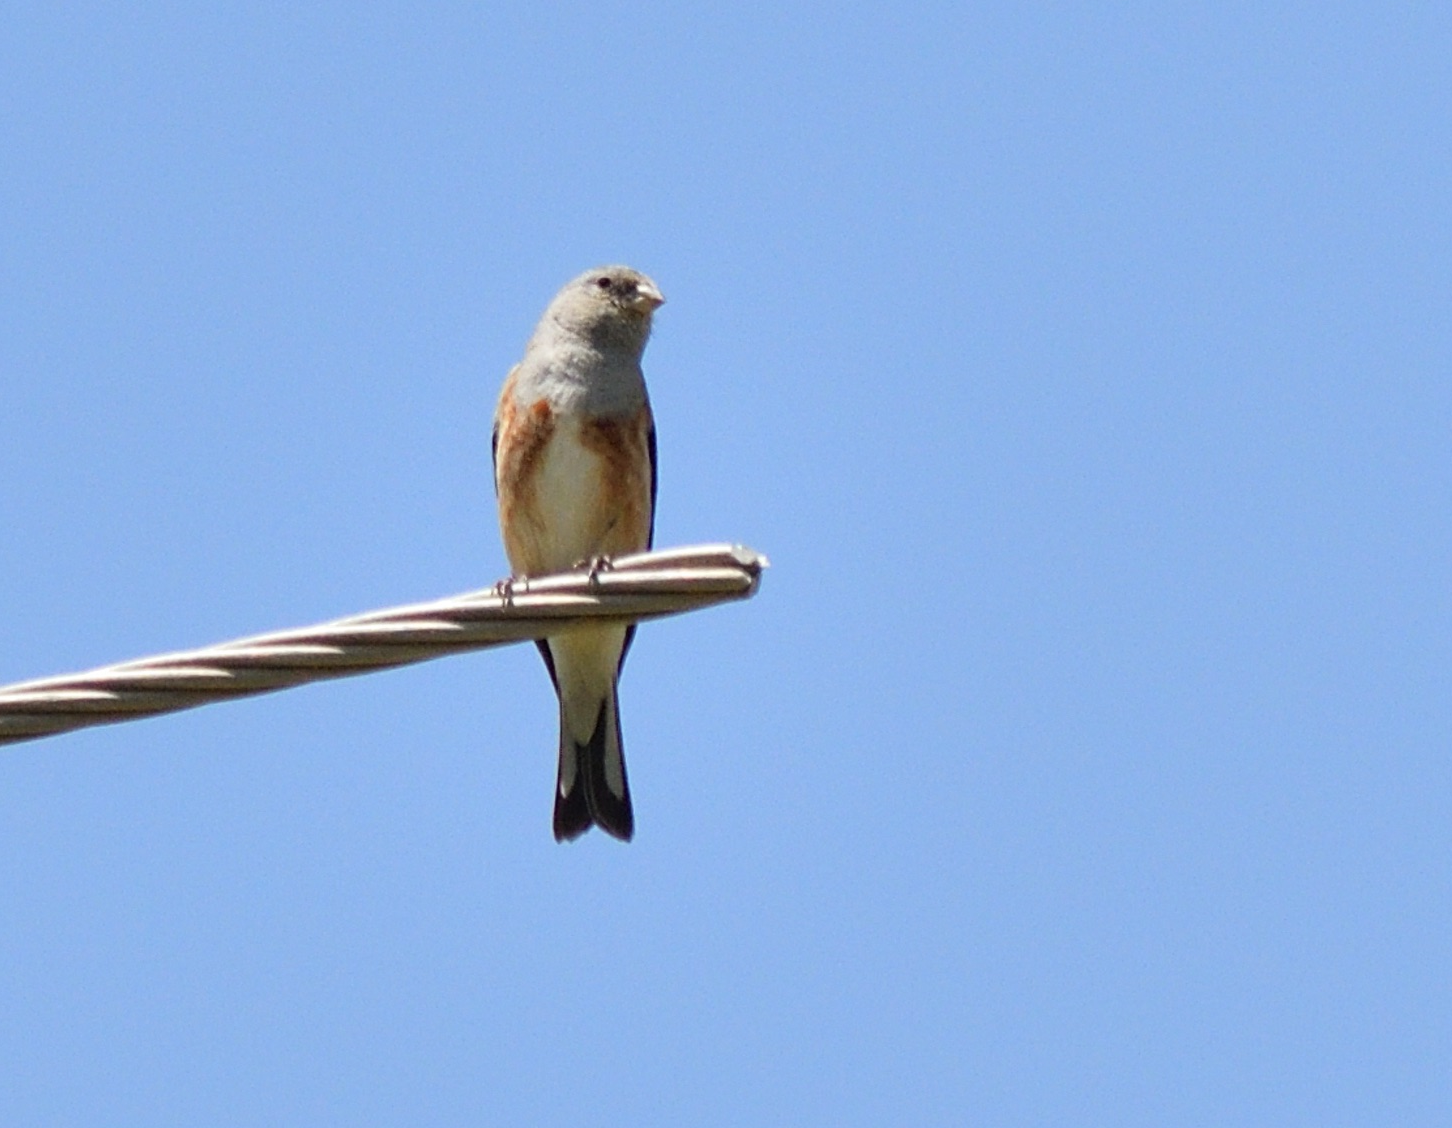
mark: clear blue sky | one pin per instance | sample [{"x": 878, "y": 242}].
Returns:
[{"x": 1084, "y": 759}]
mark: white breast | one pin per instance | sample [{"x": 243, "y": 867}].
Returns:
[{"x": 569, "y": 499}]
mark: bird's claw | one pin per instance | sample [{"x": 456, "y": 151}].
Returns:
[{"x": 595, "y": 565}]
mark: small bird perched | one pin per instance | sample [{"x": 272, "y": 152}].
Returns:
[{"x": 575, "y": 471}]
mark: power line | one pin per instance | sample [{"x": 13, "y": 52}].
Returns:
[{"x": 632, "y": 588}]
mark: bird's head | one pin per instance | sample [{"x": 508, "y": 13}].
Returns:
[{"x": 607, "y": 303}]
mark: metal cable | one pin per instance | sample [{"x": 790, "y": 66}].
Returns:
[{"x": 631, "y": 588}]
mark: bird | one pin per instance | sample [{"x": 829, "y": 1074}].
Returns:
[{"x": 575, "y": 475}]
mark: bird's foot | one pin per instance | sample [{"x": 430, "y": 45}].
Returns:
[{"x": 596, "y": 565}]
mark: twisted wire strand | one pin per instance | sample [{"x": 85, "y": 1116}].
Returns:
[{"x": 647, "y": 585}]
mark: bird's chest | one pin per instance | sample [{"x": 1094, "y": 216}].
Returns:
[
  {"x": 571, "y": 498},
  {"x": 572, "y": 486}
]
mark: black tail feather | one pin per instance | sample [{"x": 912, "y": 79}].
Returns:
[
  {"x": 572, "y": 809},
  {"x": 610, "y": 804},
  {"x": 591, "y": 797}
]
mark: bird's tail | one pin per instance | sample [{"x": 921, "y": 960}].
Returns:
[{"x": 592, "y": 788}]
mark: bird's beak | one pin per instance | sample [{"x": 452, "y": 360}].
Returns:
[{"x": 647, "y": 298}]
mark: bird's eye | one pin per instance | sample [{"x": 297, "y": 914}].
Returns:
[{"x": 603, "y": 282}]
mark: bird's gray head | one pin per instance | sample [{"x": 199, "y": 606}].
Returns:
[{"x": 610, "y": 305}]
